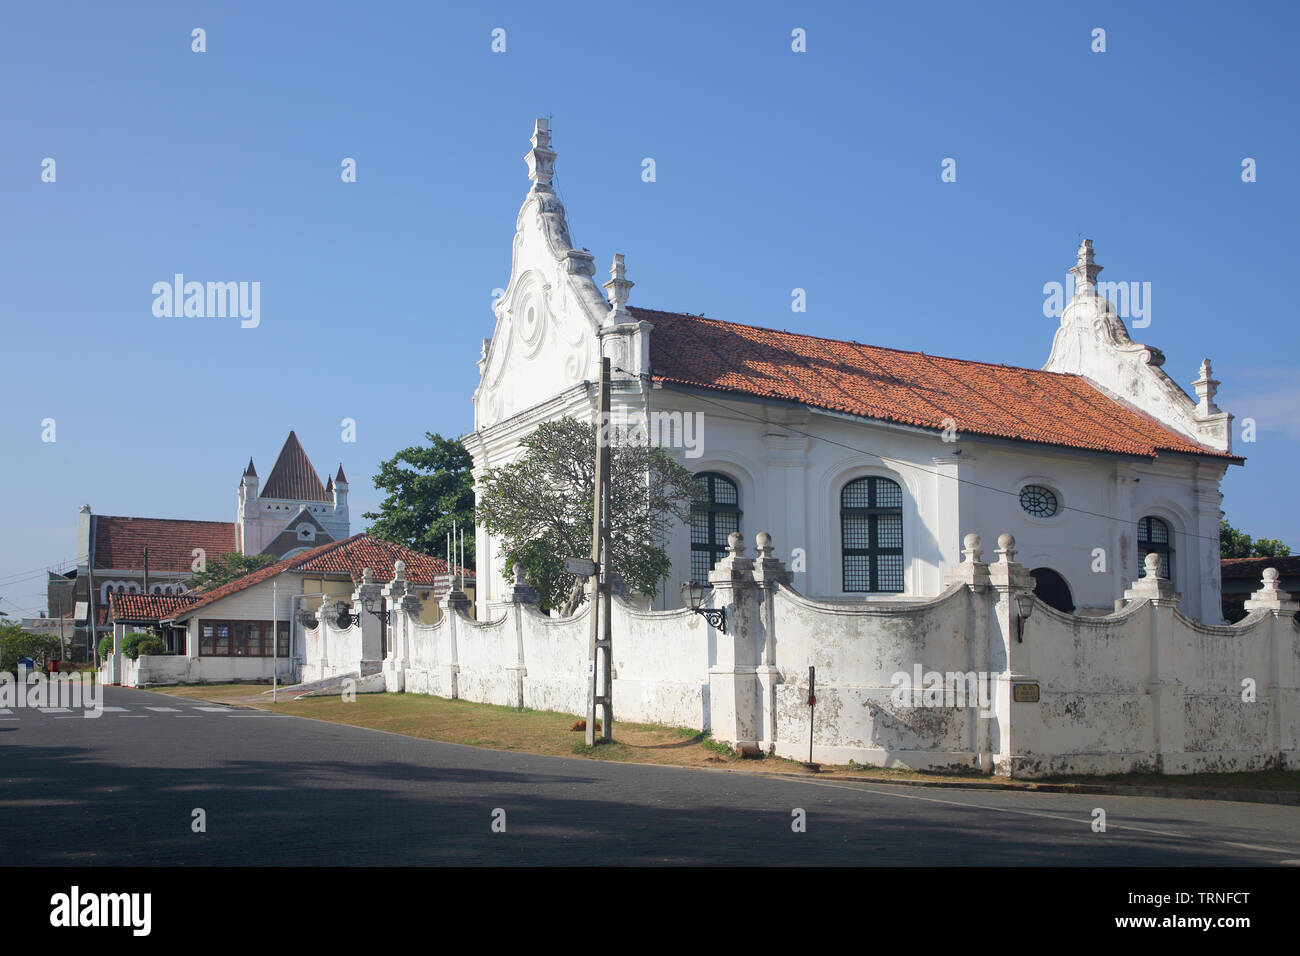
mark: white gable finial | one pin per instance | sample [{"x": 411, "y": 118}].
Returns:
[
  {"x": 541, "y": 158},
  {"x": 1206, "y": 388},
  {"x": 618, "y": 286},
  {"x": 1085, "y": 270}
]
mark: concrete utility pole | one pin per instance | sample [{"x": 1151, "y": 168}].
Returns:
[{"x": 600, "y": 596}]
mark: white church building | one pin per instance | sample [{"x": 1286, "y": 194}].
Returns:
[{"x": 867, "y": 465}]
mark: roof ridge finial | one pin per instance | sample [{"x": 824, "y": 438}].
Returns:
[
  {"x": 618, "y": 287},
  {"x": 1085, "y": 271},
  {"x": 541, "y": 158}
]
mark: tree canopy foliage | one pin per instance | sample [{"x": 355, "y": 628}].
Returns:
[
  {"x": 1234, "y": 544},
  {"x": 428, "y": 487},
  {"x": 227, "y": 568},
  {"x": 540, "y": 507}
]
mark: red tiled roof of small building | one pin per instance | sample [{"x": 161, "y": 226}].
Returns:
[
  {"x": 146, "y": 607},
  {"x": 908, "y": 388},
  {"x": 351, "y": 556},
  {"x": 1254, "y": 567},
  {"x": 120, "y": 542}
]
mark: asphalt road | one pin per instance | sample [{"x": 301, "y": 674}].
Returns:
[{"x": 121, "y": 790}]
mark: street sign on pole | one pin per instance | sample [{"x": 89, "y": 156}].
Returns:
[{"x": 582, "y": 567}]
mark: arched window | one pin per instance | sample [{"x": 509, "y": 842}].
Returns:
[
  {"x": 715, "y": 514},
  {"x": 871, "y": 534},
  {"x": 1155, "y": 535},
  {"x": 1052, "y": 590}
]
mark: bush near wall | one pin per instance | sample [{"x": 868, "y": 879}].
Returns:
[
  {"x": 150, "y": 645},
  {"x": 16, "y": 643},
  {"x": 131, "y": 644}
]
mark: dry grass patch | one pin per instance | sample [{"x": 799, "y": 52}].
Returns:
[{"x": 548, "y": 732}]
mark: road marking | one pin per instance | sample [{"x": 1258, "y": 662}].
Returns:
[
  {"x": 217, "y": 710},
  {"x": 53, "y": 710},
  {"x": 5, "y": 710},
  {"x": 114, "y": 710},
  {"x": 1080, "y": 820},
  {"x": 165, "y": 710}
]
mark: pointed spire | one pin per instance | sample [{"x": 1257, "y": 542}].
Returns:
[
  {"x": 341, "y": 478},
  {"x": 292, "y": 477},
  {"x": 1085, "y": 271},
  {"x": 250, "y": 471},
  {"x": 618, "y": 288},
  {"x": 541, "y": 158},
  {"x": 329, "y": 486}
]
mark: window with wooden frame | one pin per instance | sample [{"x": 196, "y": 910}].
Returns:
[
  {"x": 241, "y": 639},
  {"x": 1155, "y": 536},
  {"x": 871, "y": 535},
  {"x": 715, "y": 514}
]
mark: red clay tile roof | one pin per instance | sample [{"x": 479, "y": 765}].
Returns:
[
  {"x": 120, "y": 542},
  {"x": 1253, "y": 568},
  {"x": 146, "y": 607},
  {"x": 910, "y": 388},
  {"x": 361, "y": 551},
  {"x": 351, "y": 556},
  {"x": 293, "y": 477}
]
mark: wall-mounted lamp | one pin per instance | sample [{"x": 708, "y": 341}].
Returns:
[
  {"x": 376, "y": 607},
  {"x": 1024, "y": 608},
  {"x": 693, "y": 596},
  {"x": 345, "y": 618}
]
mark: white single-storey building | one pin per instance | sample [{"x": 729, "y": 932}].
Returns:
[{"x": 226, "y": 634}]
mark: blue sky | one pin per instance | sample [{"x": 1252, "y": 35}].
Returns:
[{"x": 775, "y": 170}]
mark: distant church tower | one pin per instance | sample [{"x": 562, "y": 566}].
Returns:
[{"x": 294, "y": 511}]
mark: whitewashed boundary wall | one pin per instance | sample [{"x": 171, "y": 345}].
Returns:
[{"x": 1143, "y": 689}]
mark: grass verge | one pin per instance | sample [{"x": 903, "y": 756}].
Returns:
[{"x": 548, "y": 732}]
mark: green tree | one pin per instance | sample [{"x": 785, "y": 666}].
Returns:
[
  {"x": 1271, "y": 548},
  {"x": 16, "y": 643},
  {"x": 540, "y": 508},
  {"x": 228, "y": 567},
  {"x": 428, "y": 487},
  {"x": 1234, "y": 544}
]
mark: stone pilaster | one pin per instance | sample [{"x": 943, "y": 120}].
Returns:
[
  {"x": 769, "y": 574},
  {"x": 733, "y": 680},
  {"x": 1019, "y": 725},
  {"x": 974, "y": 573},
  {"x": 1168, "y": 719},
  {"x": 372, "y": 635}
]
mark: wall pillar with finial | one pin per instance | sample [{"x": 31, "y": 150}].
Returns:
[
  {"x": 974, "y": 573},
  {"x": 372, "y": 635},
  {"x": 520, "y": 597},
  {"x": 1283, "y": 685},
  {"x": 1017, "y": 734},
  {"x": 399, "y": 650},
  {"x": 733, "y": 678},
  {"x": 769, "y": 574},
  {"x": 1168, "y": 693}
]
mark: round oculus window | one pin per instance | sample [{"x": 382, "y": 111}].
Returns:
[{"x": 1039, "y": 501}]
